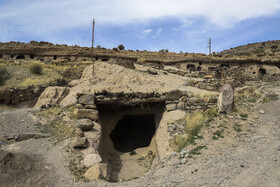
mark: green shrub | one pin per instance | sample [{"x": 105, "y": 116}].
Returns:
[
  {"x": 237, "y": 127},
  {"x": 36, "y": 69},
  {"x": 274, "y": 46},
  {"x": 115, "y": 49},
  {"x": 121, "y": 47},
  {"x": 163, "y": 51},
  {"x": 3, "y": 74}
]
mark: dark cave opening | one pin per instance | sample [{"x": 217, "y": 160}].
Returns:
[
  {"x": 262, "y": 71},
  {"x": 20, "y": 57},
  {"x": 191, "y": 67},
  {"x": 133, "y": 131}
]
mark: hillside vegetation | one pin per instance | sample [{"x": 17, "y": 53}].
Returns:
[
  {"x": 268, "y": 49},
  {"x": 21, "y": 73}
]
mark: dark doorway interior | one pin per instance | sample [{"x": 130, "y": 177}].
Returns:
[
  {"x": 20, "y": 57},
  {"x": 191, "y": 67},
  {"x": 132, "y": 132},
  {"x": 262, "y": 71}
]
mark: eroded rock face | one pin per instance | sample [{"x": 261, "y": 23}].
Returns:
[
  {"x": 52, "y": 96},
  {"x": 225, "y": 100}
]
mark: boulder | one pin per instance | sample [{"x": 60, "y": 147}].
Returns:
[
  {"x": 85, "y": 124},
  {"x": 92, "y": 159},
  {"x": 80, "y": 142},
  {"x": 170, "y": 107},
  {"x": 225, "y": 100},
  {"x": 152, "y": 71},
  {"x": 173, "y": 95},
  {"x": 86, "y": 99},
  {"x": 52, "y": 96},
  {"x": 96, "y": 172},
  {"x": 87, "y": 113},
  {"x": 79, "y": 133}
]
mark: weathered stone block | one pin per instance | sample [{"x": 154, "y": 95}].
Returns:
[
  {"x": 171, "y": 107},
  {"x": 192, "y": 107},
  {"x": 79, "y": 133},
  {"x": 80, "y": 143},
  {"x": 225, "y": 100},
  {"x": 182, "y": 73},
  {"x": 152, "y": 71},
  {"x": 181, "y": 105},
  {"x": 91, "y": 160},
  {"x": 96, "y": 172},
  {"x": 173, "y": 95},
  {"x": 87, "y": 99},
  {"x": 90, "y": 107},
  {"x": 190, "y": 94},
  {"x": 87, "y": 113},
  {"x": 85, "y": 124}
]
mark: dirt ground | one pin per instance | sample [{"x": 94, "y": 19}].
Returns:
[{"x": 253, "y": 159}]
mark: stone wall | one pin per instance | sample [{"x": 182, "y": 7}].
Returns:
[
  {"x": 173, "y": 100},
  {"x": 13, "y": 96},
  {"x": 189, "y": 102}
]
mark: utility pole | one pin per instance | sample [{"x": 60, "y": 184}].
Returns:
[
  {"x": 92, "y": 40},
  {"x": 209, "y": 45}
]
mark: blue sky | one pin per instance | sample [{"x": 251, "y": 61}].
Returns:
[{"x": 177, "y": 25}]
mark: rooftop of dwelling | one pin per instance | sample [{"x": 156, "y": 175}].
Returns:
[{"x": 268, "y": 51}]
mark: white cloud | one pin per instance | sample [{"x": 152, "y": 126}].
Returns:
[
  {"x": 148, "y": 31},
  {"x": 158, "y": 31},
  {"x": 72, "y": 13}
]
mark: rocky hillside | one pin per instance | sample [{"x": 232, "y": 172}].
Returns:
[{"x": 268, "y": 49}]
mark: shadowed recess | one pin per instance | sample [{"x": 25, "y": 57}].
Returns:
[{"x": 132, "y": 132}]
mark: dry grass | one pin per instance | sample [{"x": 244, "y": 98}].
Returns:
[
  {"x": 194, "y": 122},
  {"x": 22, "y": 77},
  {"x": 247, "y": 95},
  {"x": 57, "y": 126}
]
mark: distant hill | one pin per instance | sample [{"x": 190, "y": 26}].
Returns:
[{"x": 268, "y": 49}]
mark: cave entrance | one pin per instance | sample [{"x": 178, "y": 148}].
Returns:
[
  {"x": 262, "y": 71},
  {"x": 20, "y": 57},
  {"x": 191, "y": 67},
  {"x": 133, "y": 131},
  {"x": 128, "y": 140}
]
